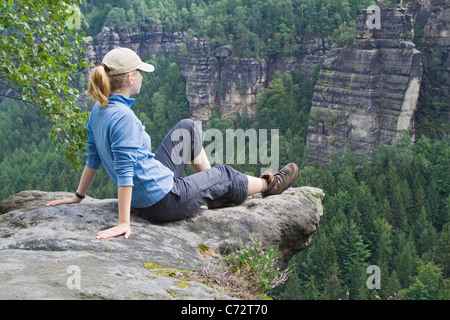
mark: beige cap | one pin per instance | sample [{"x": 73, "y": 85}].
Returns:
[{"x": 123, "y": 60}]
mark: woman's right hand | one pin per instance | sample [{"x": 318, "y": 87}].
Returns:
[{"x": 74, "y": 199}]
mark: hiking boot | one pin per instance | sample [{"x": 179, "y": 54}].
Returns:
[{"x": 279, "y": 181}]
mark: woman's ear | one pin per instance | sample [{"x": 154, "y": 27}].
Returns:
[{"x": 130, "y": 78}]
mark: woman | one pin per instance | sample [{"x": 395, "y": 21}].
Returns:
[{"x": 151, "y": 183}]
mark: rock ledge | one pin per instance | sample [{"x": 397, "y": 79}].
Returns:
[{"x": 52, "y": 253}]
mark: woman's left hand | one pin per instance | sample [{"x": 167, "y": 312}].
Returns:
[
  {"x": 120, "y": 229},
  {"x": 63, "y": 201}
]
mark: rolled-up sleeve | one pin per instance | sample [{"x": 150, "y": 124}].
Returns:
[
  {"x": 93, "y": 158},
  {"x": 126, "y": 138}
]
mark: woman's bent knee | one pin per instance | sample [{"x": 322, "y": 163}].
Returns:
[{"x": 186, "y": 124}]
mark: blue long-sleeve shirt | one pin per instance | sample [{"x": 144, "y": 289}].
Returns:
[{"x": 117, "y": 138}]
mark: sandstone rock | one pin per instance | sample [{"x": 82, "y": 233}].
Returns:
[
  {"x": 214, "y": 77},
  {"x": 224, "y": 51},
  {"x": 432, "y": 19},
  {"x": 394, "y": 24},
  {"x": 367, "y": 95},
  {"x": 145, "y": 43},
  {"x": 230, "y": 83},
  {"x": 44, "y": 249}
]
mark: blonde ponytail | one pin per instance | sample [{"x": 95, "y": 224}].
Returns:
[{"x": 99, "y": 86}]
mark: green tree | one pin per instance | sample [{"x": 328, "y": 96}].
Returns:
[
  {"x": 96, "y": 18},
  {"x": 424, "y": 234},
  {"x": 280, "y": 105},
  {"x": 292, "y": 288},
  {"x": 285, "y": 36},
  {"x": 310, "y": 291},
  {"x": 404, "y": 258},
  {"x": 441, "y": 251},
  {"x": 345, "y": 35},
  {"x": 41, "y": 48},
  {"x": 333, "y": 285},
  {"x": 353, "y": 255},
  {"x": 116, "y": 17},
  {"x": 382, "y": 257},
  {"x": 428, "y": 284}
]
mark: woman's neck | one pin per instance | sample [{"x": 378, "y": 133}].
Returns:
[{"x": 123, "y": 93}]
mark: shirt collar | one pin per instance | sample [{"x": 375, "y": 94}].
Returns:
[{"x": 115, "y": 97}]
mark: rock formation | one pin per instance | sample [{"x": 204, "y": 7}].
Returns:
[
  {"x": 227, "y": 82},
  {"x": 367, "y": 95},
  {"x": 214, "y": 77},
  {"x": 432, "y": 37},
  {"x": 52, "y": 253}
]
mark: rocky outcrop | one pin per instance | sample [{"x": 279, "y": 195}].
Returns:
[
  {"x": 142, "y": 42},
  {"x": 223, "y": 81},
  {"x": 232, "y": 83},
  {"x": 432, "y": 37},
  {"x": 214, "y": 76},
  {"x": 52, "y": 253},
  {"x": 367, "y": 95}
]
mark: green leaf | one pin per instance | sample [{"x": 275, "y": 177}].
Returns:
[{"x": 44, "y": 64}]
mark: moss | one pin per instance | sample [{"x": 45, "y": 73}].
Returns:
[
  {"x": 352, "y": 77},
  {"x": 172, "y": 293},
  {"x": 182, "y": 285},
  {"x": 163, "y": 271},
  {"x": 264, "y": 296},
  {"x": 151, "y": 265}
]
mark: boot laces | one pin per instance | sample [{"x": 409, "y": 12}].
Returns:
[{"x": 281, "y": 175}]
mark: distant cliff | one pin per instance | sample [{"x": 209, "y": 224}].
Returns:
[
  {"x": 432, "y": 38},
  {"x": 214, "y": 76},
  {"x": 367, "y": 95}
]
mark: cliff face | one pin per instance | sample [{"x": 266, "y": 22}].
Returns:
[
  {"x": 214, "y": 78},
  {"x": 368, "y": 95},
  {"x": 52, "y": 253},
  {"x": 222, "y": 81},
  {"x": 432, "y": 38}
]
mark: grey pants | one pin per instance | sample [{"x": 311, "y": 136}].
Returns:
[{"x": 181, "y": 145}]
